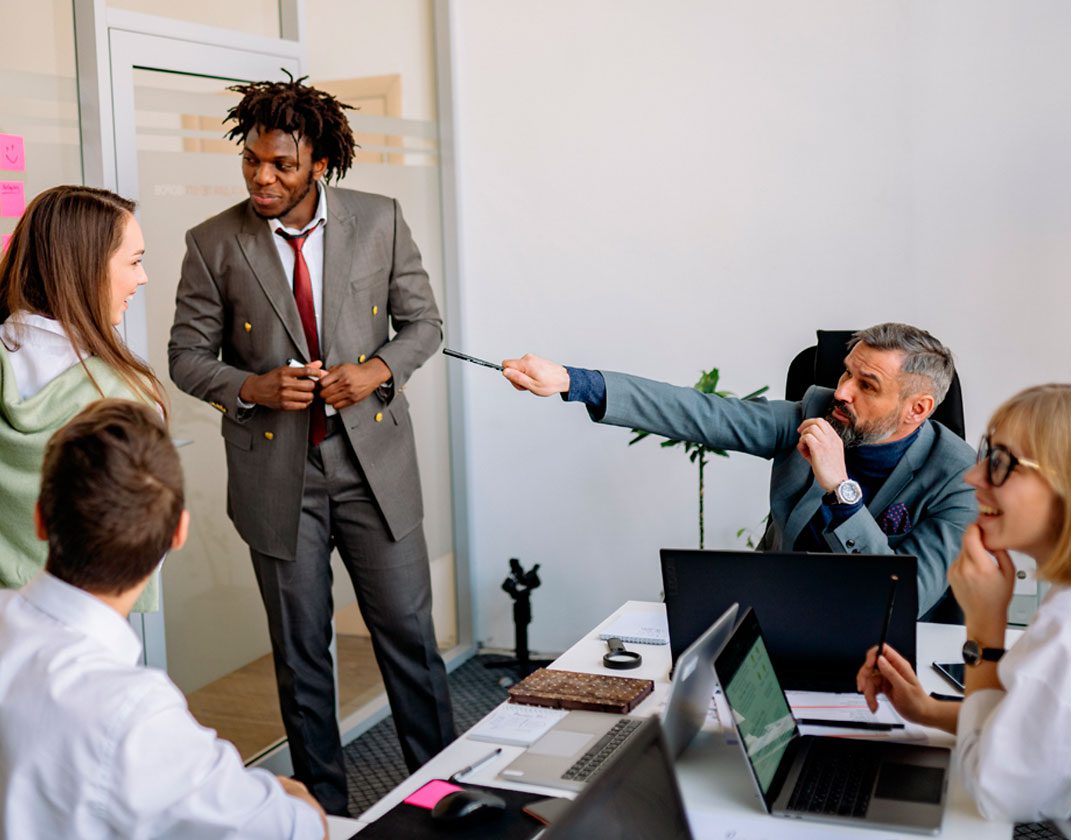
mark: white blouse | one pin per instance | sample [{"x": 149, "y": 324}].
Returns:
[{"x": 1014, "y": 746}]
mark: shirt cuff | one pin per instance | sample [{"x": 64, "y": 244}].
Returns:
[
  {"x": 839, "y": 514},
  {"x": 586, "y": 386},
  {"x": 975, "y": 711},
  {"x": 242, "y": 404}
]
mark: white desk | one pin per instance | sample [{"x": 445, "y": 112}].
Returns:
[{"x": 718, "y": 794}]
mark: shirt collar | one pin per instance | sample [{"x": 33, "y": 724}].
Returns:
[
  {"x": 77, "y": 609},
  {"x": 318, "y": 218}
]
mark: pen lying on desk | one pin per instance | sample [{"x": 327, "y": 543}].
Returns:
[{"x": 850, "y": 724}]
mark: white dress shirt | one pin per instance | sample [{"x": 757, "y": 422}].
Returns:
[
  {"x": 38, "y": 349},
  {"x": 92, "y": 746},
  {"x": 1014, "y": 746},
  {"x": 313, "y": 250}
]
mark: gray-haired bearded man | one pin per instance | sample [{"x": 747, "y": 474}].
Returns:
[{"x": 860, "y": 469}]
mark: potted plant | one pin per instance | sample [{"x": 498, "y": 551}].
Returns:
[{"x": 698, "y": 452}]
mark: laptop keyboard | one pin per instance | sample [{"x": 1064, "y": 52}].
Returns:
[
  {"x": 836, "y": 779},
  {"x": 592, "y": 761}
]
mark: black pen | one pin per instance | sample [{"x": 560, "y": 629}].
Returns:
[
  {"x": 850, "y": 724},
  {"x": 467, "y": 358},
  {"x": 893, "y": 580},
  {"x": 464, "y": 771}
]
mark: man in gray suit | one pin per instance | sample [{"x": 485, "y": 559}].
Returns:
[
  {"x": 281, "y": 324},
  {"x": 859, "y": 469}
]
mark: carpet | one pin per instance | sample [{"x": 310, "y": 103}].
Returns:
[{"x": 374, "y": 764}]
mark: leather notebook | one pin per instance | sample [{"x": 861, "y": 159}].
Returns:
[{"x": 574, "y": 690}]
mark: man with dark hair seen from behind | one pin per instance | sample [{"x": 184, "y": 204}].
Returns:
[
  {"x": 860, "y": 469},
  {"x": 91, "y": 743},
  {"x": 281, "y": 324}
]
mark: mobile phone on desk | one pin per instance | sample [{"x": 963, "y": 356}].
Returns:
[{"x": 951, "y": 671}]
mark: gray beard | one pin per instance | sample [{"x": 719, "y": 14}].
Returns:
[{"x": 854, "y": 435}]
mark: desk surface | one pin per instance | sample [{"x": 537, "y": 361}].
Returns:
[{"x": 718, "y": 794}]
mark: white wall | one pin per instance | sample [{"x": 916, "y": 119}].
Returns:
[{"x": 660, "y": 188}]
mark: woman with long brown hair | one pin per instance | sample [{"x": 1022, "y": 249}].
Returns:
[{"x": 66, "y": 277}]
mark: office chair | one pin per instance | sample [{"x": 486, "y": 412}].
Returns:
[{"x": 823, "y": 364}]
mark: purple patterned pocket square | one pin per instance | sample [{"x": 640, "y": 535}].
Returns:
[{"x": 895, "y": 519}]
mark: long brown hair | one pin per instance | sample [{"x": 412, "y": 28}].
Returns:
[{"x": 56, "y": 265}]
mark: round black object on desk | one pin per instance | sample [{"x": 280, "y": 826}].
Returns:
[{"x": 620, "y": 659}]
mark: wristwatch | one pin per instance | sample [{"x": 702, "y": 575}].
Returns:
[
  {"x": 848, "y": 492},
  {"x": 974, "y": 653}
]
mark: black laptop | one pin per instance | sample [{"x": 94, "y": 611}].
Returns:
[
  {"x": 878, "y": 784},
  {"x": 635, "y": 797},
  {"x": 822, "y": 612}
]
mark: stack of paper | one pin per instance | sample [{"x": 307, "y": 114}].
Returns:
[
  {"x": 847, "y": 715},
  {"x": 517, "y": 725}
]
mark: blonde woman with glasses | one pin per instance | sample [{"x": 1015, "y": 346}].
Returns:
[{"x": 1013, "y": 729}]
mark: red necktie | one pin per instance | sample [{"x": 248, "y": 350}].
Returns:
[{"x": 303, "y": 298}]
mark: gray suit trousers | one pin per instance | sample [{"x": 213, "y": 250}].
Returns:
[{"x": 392, "y": 582}]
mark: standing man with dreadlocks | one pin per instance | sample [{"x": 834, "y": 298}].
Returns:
[{"x": 281, "y": 324}]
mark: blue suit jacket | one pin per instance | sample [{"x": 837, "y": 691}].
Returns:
[{"x": 927, "y": 484}]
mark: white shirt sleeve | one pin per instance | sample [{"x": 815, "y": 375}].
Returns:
[
  {"x": 1012, "y": 746},
  {"x": 173, "y": 778}
]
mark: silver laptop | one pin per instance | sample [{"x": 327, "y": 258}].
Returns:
[
  {"x": 635, "y": 798},
  {"x": 878, "y": 784},
  {"x": 577, "y": 747}
]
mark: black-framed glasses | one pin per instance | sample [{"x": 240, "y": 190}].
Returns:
[{"x": 999, "y": 461}]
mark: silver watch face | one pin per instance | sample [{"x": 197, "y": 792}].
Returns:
[{"x": 849, "y": 492}]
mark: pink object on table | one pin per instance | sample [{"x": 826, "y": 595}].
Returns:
[
  {"x": 12, "y": 153},
  {"x": 430, "y": 794},
  {"x": 12, "y": 198}
]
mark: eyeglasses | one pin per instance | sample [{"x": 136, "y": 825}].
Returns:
[{"x": 999, "y": 461}]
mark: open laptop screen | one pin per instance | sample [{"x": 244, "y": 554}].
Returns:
[{"x": 761, "y": 712}]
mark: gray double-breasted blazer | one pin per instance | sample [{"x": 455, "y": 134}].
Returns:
[
  {"x": 235, "y": 315},
  {"x": 923, "y": 507}
]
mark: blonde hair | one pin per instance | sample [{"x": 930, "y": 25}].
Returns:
[{"x": 1039, "y": 420}]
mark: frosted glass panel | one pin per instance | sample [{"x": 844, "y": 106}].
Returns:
[
  {"x": 209, "y": 590},
  {"x": 254, "y": 17}
]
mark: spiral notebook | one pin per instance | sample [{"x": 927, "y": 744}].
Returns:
[{"x": 640, "y": 628}]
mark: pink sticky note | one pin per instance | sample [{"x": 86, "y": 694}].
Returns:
[
  {"x": 4, "y": 239},
  {"x": 12, "y": 153},
  {"x": 12, "y": 198},
  {"x": 432, "y": 792}
]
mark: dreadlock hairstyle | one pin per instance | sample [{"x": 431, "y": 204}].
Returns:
[{"x": 299, "y": 110}]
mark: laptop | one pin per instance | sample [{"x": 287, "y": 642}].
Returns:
[
  {"x": 822, "y": 611},
  {"x": 877, "y": 784},
  {"x": 577, "y": 748},
  {"x": 636, "y": 797}
]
